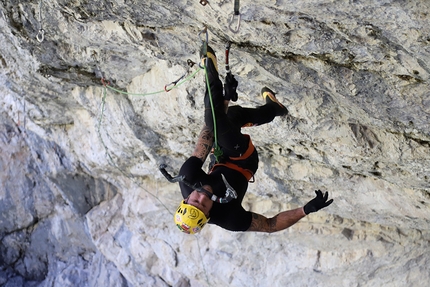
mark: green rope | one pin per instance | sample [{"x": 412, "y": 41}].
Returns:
[
  {"x": 157, "y": 92},
  {"x": 217, "y": 149},
  {"x": 133, "y": 94}
]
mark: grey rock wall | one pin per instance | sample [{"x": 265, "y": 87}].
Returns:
[{"x": 83, "y": 204}]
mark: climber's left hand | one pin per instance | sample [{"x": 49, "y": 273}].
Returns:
[{"x": 317, "y": 203}]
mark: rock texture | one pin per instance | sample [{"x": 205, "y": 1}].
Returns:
[{"x": 83, "y": 204}]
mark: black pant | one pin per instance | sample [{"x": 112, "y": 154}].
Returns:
[{"x": 228, "y": 126}]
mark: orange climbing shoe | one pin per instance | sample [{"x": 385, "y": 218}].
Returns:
[{"x": 269, "y": 97}]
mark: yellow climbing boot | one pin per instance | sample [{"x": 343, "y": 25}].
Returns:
[
  {"x": 209, "y": 53},
  {"x": 269, "y": 97}
]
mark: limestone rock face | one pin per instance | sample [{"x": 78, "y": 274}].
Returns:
[{"x": 82, "y": 202}]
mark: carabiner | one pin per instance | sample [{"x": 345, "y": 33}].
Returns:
[
  {"x": 170, "y": 86},
  {"x": 204, "y": 44},
  {"x": 40, "y": 36},
  {"x": 205, "y": 30},
  {"x": 204, "y": 2},
  {"x": 236, "y": 13}
]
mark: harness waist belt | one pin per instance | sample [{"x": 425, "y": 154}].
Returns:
[
  {"x": 245, "y": 172},
  {"x": 248, "y": 174},
  {"x": 248, "y": 151}
]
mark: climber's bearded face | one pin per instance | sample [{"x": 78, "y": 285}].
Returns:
[{"x": 200, "y": 200}]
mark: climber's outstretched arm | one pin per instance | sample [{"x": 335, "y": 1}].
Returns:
[
  {"x": 204, "y": 144},
  {"x": 288, "y": 218},
  {"x": 279, "y": 222}
]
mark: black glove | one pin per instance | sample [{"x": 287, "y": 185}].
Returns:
[
  {"x": 317, "y": 203},
  {"x": 230, "y": 87}
]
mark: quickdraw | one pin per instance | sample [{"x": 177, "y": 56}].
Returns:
[
  {"x": 230, "y": 193},
  {"x": 235, "y": 16},
  {"x": 41, "y": 34},
  {"x": 169, "y": 87},
  {"x": 205, "y": 43}
]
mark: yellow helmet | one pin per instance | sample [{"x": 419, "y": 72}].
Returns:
[{"x": 189, "y": 219}]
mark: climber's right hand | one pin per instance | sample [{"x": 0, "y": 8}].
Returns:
[{"x": 230, "y": 87}]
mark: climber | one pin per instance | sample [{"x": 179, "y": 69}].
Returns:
[{"x": 203, "y": 192}]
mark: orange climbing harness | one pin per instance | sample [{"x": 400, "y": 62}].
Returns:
[{"x": 248, "y": 174}]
